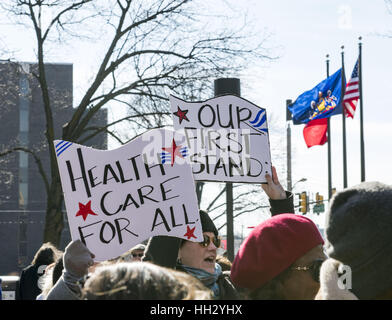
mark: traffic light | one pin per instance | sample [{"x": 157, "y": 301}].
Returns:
[
  {"x": 319, "y": 198},
  {"x": 303, "y": 203},
  {"x": 319, "y": 206}
]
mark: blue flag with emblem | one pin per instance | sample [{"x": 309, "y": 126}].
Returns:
[{"x": 323, "y": 101}]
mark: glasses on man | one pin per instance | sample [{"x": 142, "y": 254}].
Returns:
[
  {"x": 207, "y": 240},
  {"x": 313, "y": 268},
  {"x": 137, "y": 255}
]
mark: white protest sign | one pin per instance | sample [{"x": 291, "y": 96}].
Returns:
[
  {"x": 116, "y": 199},
  {"x": 227, "y": 137}
]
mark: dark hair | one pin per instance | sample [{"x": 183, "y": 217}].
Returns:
[
  {"x": 142, "y": 281},
  {"x": 57, "y": 270},
  {"x": 46, "y": 255},
  {"x": 224, "y": 263},
  {"x": 272, "y": 290}
]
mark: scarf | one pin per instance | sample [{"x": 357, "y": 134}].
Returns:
[{"x": 207, "y": 278}]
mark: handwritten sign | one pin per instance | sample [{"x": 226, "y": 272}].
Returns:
[
  {"x": 116, "y": 199},
  {"x": 227, "y": 138}
]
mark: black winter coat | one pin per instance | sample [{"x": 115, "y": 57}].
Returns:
[{"x": 28, "y": 283}]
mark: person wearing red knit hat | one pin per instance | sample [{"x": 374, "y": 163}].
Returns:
[{"x": 280, "y": 259}]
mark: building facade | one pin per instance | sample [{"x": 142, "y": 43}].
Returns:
[{"x": 22, "y": 190}]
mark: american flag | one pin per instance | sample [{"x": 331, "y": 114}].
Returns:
[{"x": 351, "y": 96}]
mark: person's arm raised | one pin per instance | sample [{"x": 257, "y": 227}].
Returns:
[{"x": 281, "y": 201}]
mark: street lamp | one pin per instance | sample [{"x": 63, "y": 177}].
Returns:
[{"x": 301, "y": 180}]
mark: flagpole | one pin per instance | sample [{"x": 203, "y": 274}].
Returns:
[
  {"x": 344, "y": 124},
  {"x": 361, "y": 112},
  {"x": 329, "y": 145},
  {"x": 288, "y": 119}
]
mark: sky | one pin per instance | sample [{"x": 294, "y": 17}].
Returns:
[{"x": 301, "y": 32}]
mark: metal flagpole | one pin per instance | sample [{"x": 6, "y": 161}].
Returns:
[
  {"x": 288, "y": 118},
  {"x": 344, "y": 123},
  {"x": 361, "y": 112},
  {"x": 329, "y": 145}
]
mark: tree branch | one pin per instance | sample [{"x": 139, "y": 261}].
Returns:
[
  {"x": 74, "y": 6},
  {"x": 101, "y": 129},
  {"x": 37, "y": 161}
]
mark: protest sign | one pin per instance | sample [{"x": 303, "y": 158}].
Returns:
[
  {"x": 227, "y": 138},
  {"x": 116, "y": 199}
]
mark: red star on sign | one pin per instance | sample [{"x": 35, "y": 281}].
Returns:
[
  {"x": 189, "y": 232},
  {"x": 174, "y": 150},
  {"x": 85, "y": 210},
  {"x": 181, "y": 114}
]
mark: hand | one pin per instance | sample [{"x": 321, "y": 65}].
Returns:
[
  {"x": 77, "y": 259},
  {"x": 273, "y": 188}
]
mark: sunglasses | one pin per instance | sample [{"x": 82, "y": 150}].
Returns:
[
  {"x": 207, "y": 240},
  {"x": 314, "y": 269},
  {"x": 140, "y": 255}
]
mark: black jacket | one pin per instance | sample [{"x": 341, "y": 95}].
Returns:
[{"x": 28, "y": 283}]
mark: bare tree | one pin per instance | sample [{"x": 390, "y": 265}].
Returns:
[
  {"x": 250, "y": 203},
  {"x": 152, "y": 47}
]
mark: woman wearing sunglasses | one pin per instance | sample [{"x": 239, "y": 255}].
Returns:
[
  {"x": 280, "y": 259},
  {"x": 195, "y": 258},
  {"x": 199, "y": 259}
]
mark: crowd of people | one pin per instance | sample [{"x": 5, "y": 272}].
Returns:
[{"x": 285, "y": 257}]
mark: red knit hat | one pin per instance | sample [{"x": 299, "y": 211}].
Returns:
[{"x": 272, "y": 247}]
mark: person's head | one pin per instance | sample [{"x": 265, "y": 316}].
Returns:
[
  {"x": 280, "y": 259},
  {"x": 359, "y": 235},
  {"x": 134, "y": 254},
  {"x": 137, "y": 252},
  {"x": 142, "y": 281},
  {"x": 46, "y": 255},
  {"x": 201, "y": 255}
]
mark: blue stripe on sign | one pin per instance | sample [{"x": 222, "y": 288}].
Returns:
[
  {"x": 257, "y": 117},
  {"x": 63, "y": 148},
  {"x": 261, "y": 122},
  {"x": 60, "y": 143}
]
